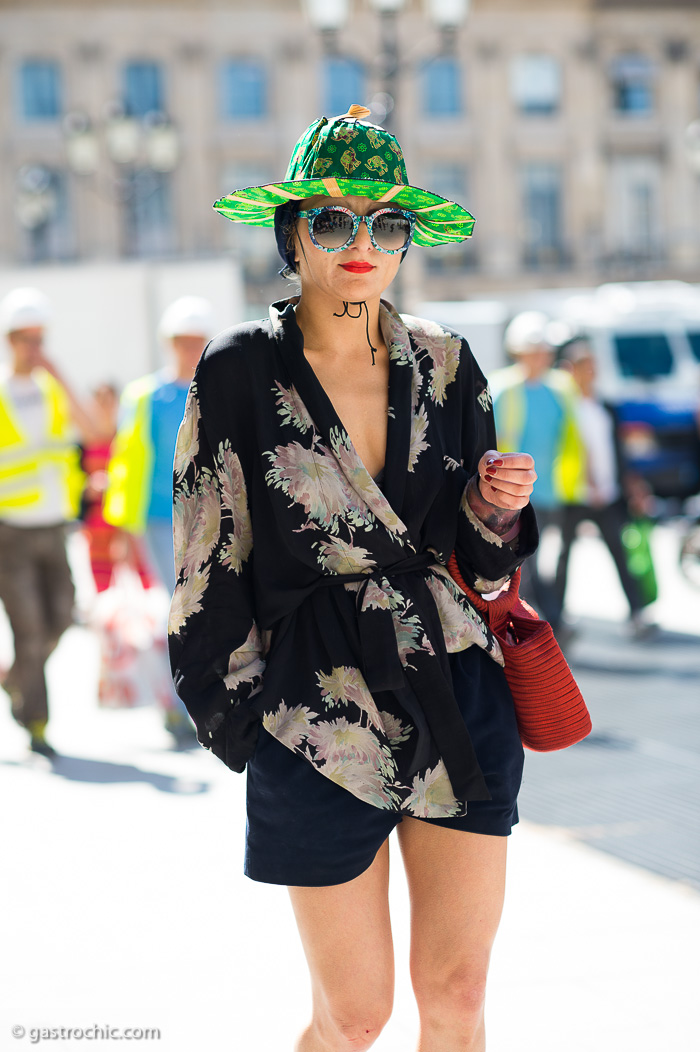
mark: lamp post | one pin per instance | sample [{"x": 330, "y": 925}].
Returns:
[
  {"x": 388, "y": 11},
  {"x": 329, "y": 17},
  {"x": 142, "y": 151}
]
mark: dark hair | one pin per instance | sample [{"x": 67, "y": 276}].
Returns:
[{"x": 285, "y": 229}]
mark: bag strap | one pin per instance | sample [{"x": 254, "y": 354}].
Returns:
[{"x": 497, "y": 608}]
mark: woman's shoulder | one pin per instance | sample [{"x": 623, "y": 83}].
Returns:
[
  {"x": 234, "y": 365},
  {"x": 447, "y": 350},
  {"x": 237, "y": 345},
  {"x": 428, "y": 329}
]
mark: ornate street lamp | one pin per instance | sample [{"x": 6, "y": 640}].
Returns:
[
  {"x": 142, "y": 150},
  {"x": 329, "y": 17},
  {"x": 152, "y": 141}
]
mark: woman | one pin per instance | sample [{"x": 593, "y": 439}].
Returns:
[{"x": 329, "y": 462}]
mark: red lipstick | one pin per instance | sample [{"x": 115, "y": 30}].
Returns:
[{"x": 357, "y": 268}]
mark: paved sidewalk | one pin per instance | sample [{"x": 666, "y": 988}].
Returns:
[
  {"x": 127, "y": 907},
  {"x": 124, "y": 903}
]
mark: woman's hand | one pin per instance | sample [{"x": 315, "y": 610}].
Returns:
[{"x": 506, "y": 479}]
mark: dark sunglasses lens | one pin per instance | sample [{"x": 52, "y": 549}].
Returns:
[
  {"x": 391, "y": 231},
  {"x": 332, "y": 229}
]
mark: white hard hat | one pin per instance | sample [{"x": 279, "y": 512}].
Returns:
[
  {"x": 24, "y": 308},
  {"x": 528, "y": 332},
  {"x": 188, "y": 316}
]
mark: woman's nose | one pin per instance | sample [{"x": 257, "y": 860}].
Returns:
[{"x": 362, "y": 238}]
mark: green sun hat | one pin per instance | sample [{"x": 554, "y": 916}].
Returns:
[{"x": 345, "y": 156}]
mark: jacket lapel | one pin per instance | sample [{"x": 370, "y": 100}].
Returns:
[{"x": 398, "y": 442}]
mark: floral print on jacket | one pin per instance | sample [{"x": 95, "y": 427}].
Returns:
[{"x": 314, "y": 602}]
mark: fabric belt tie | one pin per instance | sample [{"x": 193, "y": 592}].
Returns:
[{"x": 383, "y": 670}]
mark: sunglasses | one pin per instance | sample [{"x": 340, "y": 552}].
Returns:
[{"x": 333, "y": 228}]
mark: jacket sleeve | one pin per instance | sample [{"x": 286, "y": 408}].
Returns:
[
  {"x": 214, "y": 641},
  {"x": 486, "y": 558}
]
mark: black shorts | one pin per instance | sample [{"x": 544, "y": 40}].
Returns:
[{"x": 304, "y": 829}]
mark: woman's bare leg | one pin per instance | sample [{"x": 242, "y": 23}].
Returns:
[
  {"x": 456, "y": 882},
  {"x": 346, "y": 935}
]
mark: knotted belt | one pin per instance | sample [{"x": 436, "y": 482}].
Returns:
[{"x": 383, "y": 670}]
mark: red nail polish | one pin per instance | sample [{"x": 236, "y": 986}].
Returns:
[
  {"x": 488, "y": 478},
  {"x": 494, "y": 463}
]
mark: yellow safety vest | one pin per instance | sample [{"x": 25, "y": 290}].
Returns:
[
  {"x": 130, "y": 469},
  {"x": 569, "y": 465},
  {"x": 21, "y": 461}
]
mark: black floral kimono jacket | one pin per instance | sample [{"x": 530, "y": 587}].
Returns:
[{"x": 315, "y": 600}]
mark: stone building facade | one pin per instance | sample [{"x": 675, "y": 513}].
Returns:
[{"x": 562, "y": 126}]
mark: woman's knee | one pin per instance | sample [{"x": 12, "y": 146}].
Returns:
[
  {"x": 354, "y": 1027},
  {"x": 457, "y": 993}
]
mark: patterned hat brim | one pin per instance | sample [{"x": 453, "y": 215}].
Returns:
[{"x": 438, "y": 221}]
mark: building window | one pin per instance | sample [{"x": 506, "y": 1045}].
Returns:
[
  {"x": 632, "y": 79},
  {"x": 450, "y": 179},
  {"x": 143, "y": 89},
  {"x": 243, "y": 89},
  {"x": 40, "y": 90},
  {"x": 535, "y": 84},
  {"x": 41, "y": 206},
  {"x": 148, "y": 219},
  {"x": 541, "y": 201},
  {"x": 634, "y": 221},
  {"x": 343, "y": 84},
  {"x": 442, "y": 88}
]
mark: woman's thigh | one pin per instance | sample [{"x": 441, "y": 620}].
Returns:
[
  {"x": 456, "y": 882},
  {"x": 346, "y": 934}
]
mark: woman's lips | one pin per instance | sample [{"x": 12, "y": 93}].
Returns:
[{"x": 357, "y": 268}]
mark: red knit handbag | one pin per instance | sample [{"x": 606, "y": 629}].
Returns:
[{"x": 549, "y": 707}]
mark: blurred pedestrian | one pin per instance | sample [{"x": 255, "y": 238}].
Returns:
[
  {"x": 331, "y": 457},
  {"x": 140, "y": 472},
  {"x": 603, "y": 500},
  {"x": 40, "y": 486},
  {"x": 107, "y": 545},
  {"x": 534, "y": 408}
]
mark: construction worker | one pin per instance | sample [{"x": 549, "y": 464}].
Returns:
[
  {"x": 534, "y": 408},
  {"x": 140, "y": 472},
  {"x": 40, "y": 488}
]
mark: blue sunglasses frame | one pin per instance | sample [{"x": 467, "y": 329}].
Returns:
[{"x": 311, "y": 214}]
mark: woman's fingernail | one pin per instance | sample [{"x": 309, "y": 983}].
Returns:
[
  {"x": 494, "y": 463},
  {"x": 488, "y": 478}
]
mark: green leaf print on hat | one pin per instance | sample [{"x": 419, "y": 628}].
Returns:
[{"x": 344, "y": 157}]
